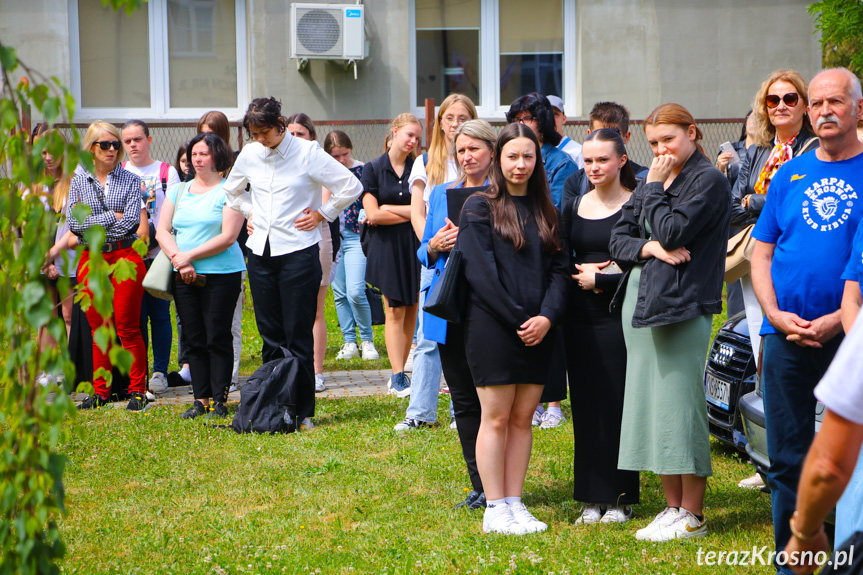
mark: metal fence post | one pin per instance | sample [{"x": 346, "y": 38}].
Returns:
[{"x": 429, "y": 121}]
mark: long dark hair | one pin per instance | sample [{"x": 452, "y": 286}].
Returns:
[
  {"x": 627, "y": 176},
  {"x": 540, "y": 108},
  {"x": 505, "y": 219}
]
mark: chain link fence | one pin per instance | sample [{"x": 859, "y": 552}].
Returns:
[{"x": 368, "y": 136}]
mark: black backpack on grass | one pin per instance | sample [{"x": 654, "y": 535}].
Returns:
[{"x": 276, "y": 399}]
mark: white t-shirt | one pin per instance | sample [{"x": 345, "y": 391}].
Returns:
[
  {"x": 841, "y": 388},
  {"x": 573, "y": 149},
  {"x": 418, "y": 172},
  {"x": 151, "y": 187}
]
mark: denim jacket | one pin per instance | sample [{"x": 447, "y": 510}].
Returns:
[
  {"x": 693, "y": 213},
  {"x": 558, "y": 167}
]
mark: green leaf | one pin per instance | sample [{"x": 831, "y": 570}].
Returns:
[
  {"x": 51, "y": 109},
  {"x": 102, "y": 337},
  {"x": 121, "y": 359},
  {"x": 8, "y": 58},
  {"x": 33, "y": 293}
]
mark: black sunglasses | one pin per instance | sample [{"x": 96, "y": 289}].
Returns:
[
  {"x": 107, "y": 145},
  {"x": 790, "y": 100}
]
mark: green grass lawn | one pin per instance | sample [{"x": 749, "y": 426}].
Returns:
[{"x": 150, "y": 493}]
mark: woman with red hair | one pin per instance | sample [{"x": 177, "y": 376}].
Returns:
[{"x": 673, "y": 232}]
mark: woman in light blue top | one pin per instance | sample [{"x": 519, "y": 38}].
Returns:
[{"x": 209, "y": 265}]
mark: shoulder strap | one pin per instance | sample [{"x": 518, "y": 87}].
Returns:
[
  {"x": 807, "y": 146},
  {"x": 164, "y": 171},
  {"x": 183, "y": 187},
  {"x": 571, "y": 208}
]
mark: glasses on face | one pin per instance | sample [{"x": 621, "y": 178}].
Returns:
[
  {"x": 454, "y": 120},
  {"x": 790, "y": 99},
  {"x": 105, "y": 145},
  {"x": 524, "y": 120}
]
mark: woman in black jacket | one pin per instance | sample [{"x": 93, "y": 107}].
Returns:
[
  {"x": 782, "y": 132},
  {"x": 673, "y": 231}
]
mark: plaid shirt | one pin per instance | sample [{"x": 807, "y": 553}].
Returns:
[{"x": 123, "y": 195}]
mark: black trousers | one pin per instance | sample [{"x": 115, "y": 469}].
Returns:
[
  {"x": 285, "y": 294},
  {"x": 465, "y": 401},
  {"x": 207, "y": 314}
]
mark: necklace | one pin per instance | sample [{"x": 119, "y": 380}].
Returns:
[{"x": 610, "y": 205}]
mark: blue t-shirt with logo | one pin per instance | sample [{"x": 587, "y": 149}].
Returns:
[
  {"x": 198, "y": 219},
  {"x": 854, "y": 269},
  {"x": 812, "y": 212}
]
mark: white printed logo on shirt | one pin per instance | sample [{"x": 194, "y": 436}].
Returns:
[
  {"x": 829, "y": 204},
  {"x": 148, "y": 193}
]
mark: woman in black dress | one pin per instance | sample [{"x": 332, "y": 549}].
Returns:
[
  {"x": 595, "y": 349},
  {"x": 392, "y": 265},
  {"x": 517, "y": 272}
]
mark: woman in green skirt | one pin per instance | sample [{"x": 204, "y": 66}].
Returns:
[{"x": 673, "y": 232}]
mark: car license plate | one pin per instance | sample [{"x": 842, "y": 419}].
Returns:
[{"x": 718, "y": 392}]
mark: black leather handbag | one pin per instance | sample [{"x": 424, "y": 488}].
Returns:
[{"x": 448, "y": 298}]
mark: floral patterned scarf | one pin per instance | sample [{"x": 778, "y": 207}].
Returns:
[{"x": 780, "y": 154}]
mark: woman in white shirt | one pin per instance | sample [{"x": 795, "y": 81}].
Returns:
[{"x": 284, "y": 211}]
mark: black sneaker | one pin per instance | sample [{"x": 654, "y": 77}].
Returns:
[
  {"x": 217, "y": 411},
  {"x": 194, "y": 411},
  {"x": 409, "y": 424},
  {"x": 94, "y": 402},
  {"x": 138, "y": 403},
  {"x": 471, "y": 498},
  {"x": 478, "y": 503}
]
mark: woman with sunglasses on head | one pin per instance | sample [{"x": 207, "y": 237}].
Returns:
[
  {"x": 113, "y": 196},
  {"x": 392, "y": 264},
  {"x": 595, "y": 348},
  {"x": 517, "y": 271},
  {"x": 673, "y": 232},
  {"x": 209, "y": 265},
  {"x": 473, "y": 150},
  {"x": 435, "y": 167},
  {"x": 782, "y": 132}
]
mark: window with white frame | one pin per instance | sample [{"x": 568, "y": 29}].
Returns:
[
  {"x": 168, "y": 59},
  {"x": 492, "y": 50}
]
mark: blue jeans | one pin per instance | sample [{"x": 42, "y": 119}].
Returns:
[
  {"x": 789, "y": 376},
  {"x": 158, "y": 311},
  {"x": 425, "y": 382},
  {"x": 349, "y": 290}
]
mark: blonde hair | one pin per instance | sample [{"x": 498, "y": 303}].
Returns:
[
  {"x": 677, "y": 115},
  {"x": 95, "y": 130},
  {"x": 401, "y": 121},
  {"x": 765, "y": 131},
  {"x": 479, "y": 130},
  {"x": 436, "y": 167},
  {"x": 60, "y": 187}
]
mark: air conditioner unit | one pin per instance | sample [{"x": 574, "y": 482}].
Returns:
[{"x": 328, "y": 31}]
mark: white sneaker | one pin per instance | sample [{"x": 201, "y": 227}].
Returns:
[
  {"x": 369, "y": 351},
  {"x": 537, "y": 416},
  {"x": 754, "y": 482},
  {"x": 319, "y": 383},
  {"x": 500, "y": 520},
  {"x": 349, "y": 351},
  {"x": 591, "y": 514},
  {"x": 158, "y": 383},
  {"x": 617, "y": 515},
  {"x": 150, "y": 396},
  {"x": 452, "y": 424},
  {"x": 44, "y": 379},
  {"x": 684, "y": 526},
  {"x": 306, "y": 424},
  {"x": 665, "y": 517},
  {"x": 233, "y": 388},
  {"x": 551, "y": 420},
  {"x": 526, "y": 519}
]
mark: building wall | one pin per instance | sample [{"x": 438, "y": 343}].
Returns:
[
  {"x": 708, "y": 56},
  {"x": 325, "y": 89}
]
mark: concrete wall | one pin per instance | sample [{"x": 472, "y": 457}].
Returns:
[
  {"x": 325, "y": 89},
  {"x": 39, "y": 31},
  {"x": 708, "y": 56}
]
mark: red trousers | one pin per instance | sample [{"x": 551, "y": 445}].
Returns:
[{"x": 126, "y": 318}]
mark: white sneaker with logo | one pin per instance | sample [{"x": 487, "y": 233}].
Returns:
[
  {"x": 348, "y": 351},
  {"x": 551, "y": 420},
  {"x": 617, "y": 515},
  {"x": 684, "y": 526},
  {"x": 664, "y": 517},
  {"x": 499, "y": 519},
  {"x": 538, "y": 414}
]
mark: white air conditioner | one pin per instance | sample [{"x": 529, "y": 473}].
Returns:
[{"x": 328, "y": 31}]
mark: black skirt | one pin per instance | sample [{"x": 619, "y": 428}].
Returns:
[
  {"x": 392, "y": 265},
  {"x": 497, "y": 356}
]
